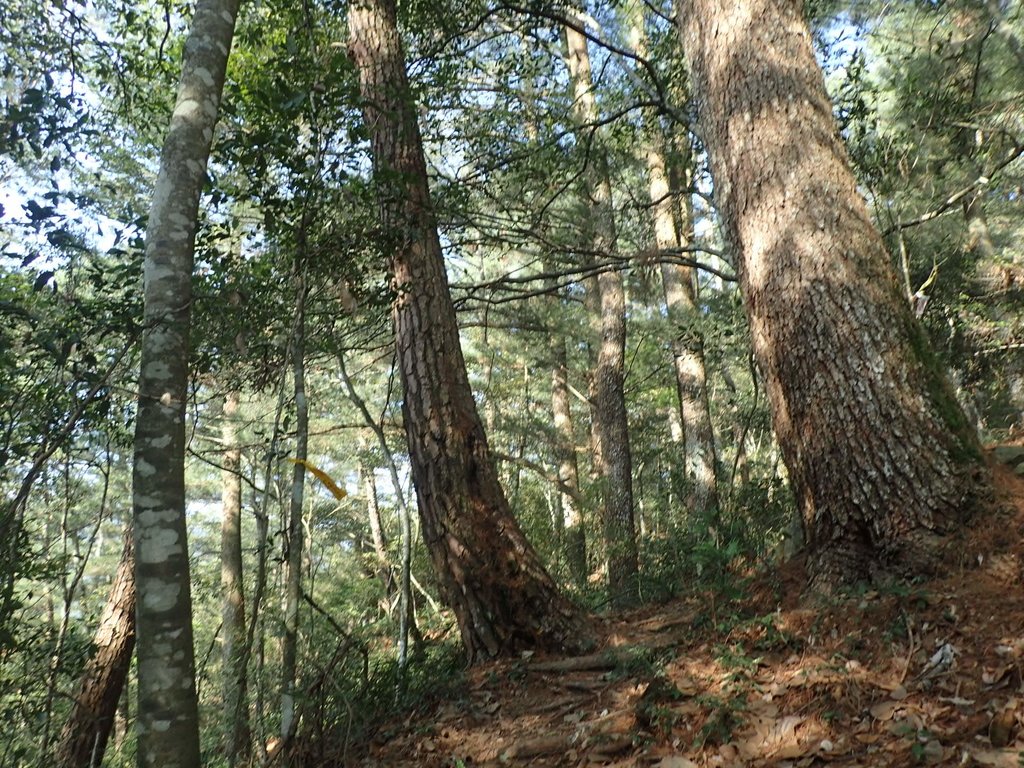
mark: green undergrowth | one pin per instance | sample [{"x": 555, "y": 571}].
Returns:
[{"x": 376, "y": 700}]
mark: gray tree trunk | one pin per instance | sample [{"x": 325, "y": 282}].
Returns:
[
  {"x": 294, "y": 543},
  {"x": 883, "y": 463},
  {"x": 168, "y": 720},
  {"x": 406, "y": 604}
]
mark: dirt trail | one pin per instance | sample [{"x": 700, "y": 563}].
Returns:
[{"x": 923, "y": 675}]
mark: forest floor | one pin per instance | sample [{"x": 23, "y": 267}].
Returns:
[{"x": 928, "y": 674}]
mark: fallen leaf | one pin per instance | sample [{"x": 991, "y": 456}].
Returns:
[
  {"x": 884, "y": 710},
  {"x": 904, "y": 726},
  {"x": 998, "y": 677},
  {"x": 933, "y": 751},
  {"x": 958, "y": 702},
  {"x": 998, "y": 758},
  {"x": 675, "y": 761},
  {"x": 1000, "y": 729},
  {"x": 728, "y": 751}
]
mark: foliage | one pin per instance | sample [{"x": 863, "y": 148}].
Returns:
[{"x": 927, "y": 96}]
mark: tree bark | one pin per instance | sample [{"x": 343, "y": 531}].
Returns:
[
  {"x": 84, "y": 738},
  {"x": 569, "y": 527},
  {"x": 882, "y": 461},
  {"x": 573, "y": 536},
  {"x": 612, "y": 452},
  {"x": 382, "y": 565},
  {"x": 406, "y": 604},
  {"x": 679, "y": 285},
  {"x": 235, "y": 679},
  {"x": 503, "y": 599},
  {"x": 168, "y": 719},
  {"x": 294, "y": 543}
]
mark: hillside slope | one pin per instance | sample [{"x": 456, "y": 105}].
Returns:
[{"x": 927, "y": 674}]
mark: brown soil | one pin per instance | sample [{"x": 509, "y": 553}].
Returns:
[{"x": 929, "y": 674}]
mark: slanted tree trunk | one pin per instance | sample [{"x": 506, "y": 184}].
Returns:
[
  {"x": 882, "y": 461},
  {"x": 235, "y": 679},
  {"x": 503, "y": 598},
  {"x": 406, "y": 604},
  {"x": 84, "y": 738},
  {"x": 612, "y": 452},
  {"x": 999, "y": 13},
  {"x": 168, "y": 718}
]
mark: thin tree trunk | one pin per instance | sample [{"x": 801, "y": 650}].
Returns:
[
  {"x": 294, "y": 542},
  {"x": 611, "y": 425},
  {"x": 883, "y": 464},
  {"x": 406, "y": 605},
  {"x": 992, "y": 279},
  {"x": 568, "y": 524},
  {"x": 235, "y": 680},
  {"x": 382, "y": 566},
  {"x": 680, "y": 289},
  {"x": 573, "y": 535},
  {"x": 168, "y": 717},
  {"x": 998, "y": 17},
  {"x": 83, "y": 740},
  {"x": 979, "y": 242},
  {"x": 70, "y": 588},
  {"x": 503, "y": 598}
]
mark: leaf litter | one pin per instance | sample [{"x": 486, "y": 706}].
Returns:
[{"x": 928, "y": 674}]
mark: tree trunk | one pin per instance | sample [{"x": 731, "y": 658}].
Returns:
[
  {"x": 168, "y": 718},
  {"x": 568, "y": 522},
  {"x": 235, "y": 681},
  {"x": 573, "y": 536},
  {"x": 882, "y": 461},
  {"x": 611, "y": 425},
  {"x": 84, "y": 738},
  {"x": 406, "y": 604},
  {"x": 680, "y": 288},
  {"x": 294, "y": 543},
  {"x": 382, "y": 565},
  {"x": 503, "y": 598},
  {"x": 679, "y": 284}
]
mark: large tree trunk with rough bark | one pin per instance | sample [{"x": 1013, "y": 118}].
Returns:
[
  {"x": 84, "y": 738},
  {"x": 503, "y": 598},
  {"x": 235, "y": 680},
  {"x": 882, "y": 461},
  {"x": 168, "y": 718},
  {"x": 610, "y": 430}
]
